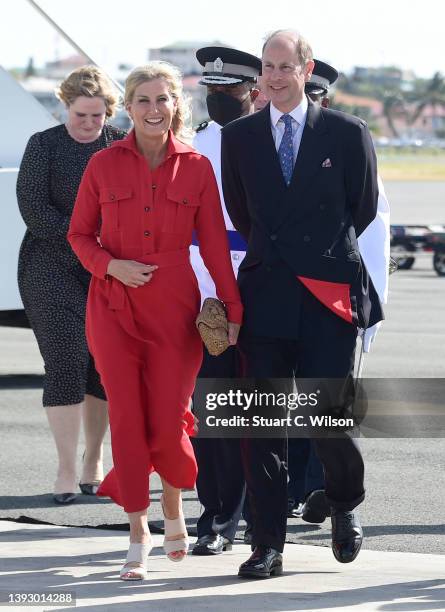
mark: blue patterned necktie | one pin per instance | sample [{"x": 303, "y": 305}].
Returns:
[{"x": 286, "y": 149}]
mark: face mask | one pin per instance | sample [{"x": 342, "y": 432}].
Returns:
[{"x": 224, "y": 108}]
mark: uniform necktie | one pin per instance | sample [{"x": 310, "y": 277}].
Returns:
[{"x": 286, "y": 149}]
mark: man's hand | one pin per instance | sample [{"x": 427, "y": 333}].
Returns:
[
  {"x": 130, "y": 273},
  {"x": 233, "y": 332},
  {"x": 369, "y": 335}
]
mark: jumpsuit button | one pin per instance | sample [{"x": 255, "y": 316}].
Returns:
[
  {"x": 147, "y": 208},
  {"x": 112, "y": 196},
  {"x": 273, "y": 237},
  {"x": 146, "y": 233},
  {"x": 153, "y": 186},
  {"x": 184, "y": 201}
]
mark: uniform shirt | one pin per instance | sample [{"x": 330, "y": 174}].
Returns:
[
  {"x": 208, "y": 142},
  {"x": 374, "y": 245},
  {"x": 141, "y": 212}
]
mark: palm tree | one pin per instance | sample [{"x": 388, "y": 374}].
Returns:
[
  {"x": 393, "y": 106},
  {"x": 432, "y": 94}
]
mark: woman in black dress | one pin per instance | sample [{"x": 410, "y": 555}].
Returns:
[{"x": 52, "y": 282}]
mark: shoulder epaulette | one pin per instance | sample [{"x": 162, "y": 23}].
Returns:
[{"x": 202, "y": 126}]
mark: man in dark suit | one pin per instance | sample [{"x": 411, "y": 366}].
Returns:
[{"x": 303, "y": 284}]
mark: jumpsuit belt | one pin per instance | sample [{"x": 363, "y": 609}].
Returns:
[{"x": 118, "y": 299}]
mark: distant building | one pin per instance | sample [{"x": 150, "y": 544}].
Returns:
[
  {"x": 59, "y": 69},
  {"x": 390, "y": 77},
  {"x": 374, "y": 107},
  {"x": 369, "y": 109},
  {"x": 182, "y": 54},
  {"x": 429, "y": 124}
]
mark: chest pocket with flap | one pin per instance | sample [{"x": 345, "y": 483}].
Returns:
[
  {"x": 180, "y": 209},
  {"x": 109, "y": 200}
]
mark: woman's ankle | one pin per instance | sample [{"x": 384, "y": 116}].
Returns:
[
  {"x": 140, "y": 537},
  {"x": 172, "y": 508},
  {"x": 66, "y": 481},
  {"x": 92, "y": 467}
]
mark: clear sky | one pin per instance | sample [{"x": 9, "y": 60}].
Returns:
[{"x": 342, "y": 32}]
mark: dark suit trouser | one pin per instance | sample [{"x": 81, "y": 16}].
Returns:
[
  {"x": 325, "y": 348},
  {"x": 305, "y": 469},
  {"x": 220, "y": 482}
]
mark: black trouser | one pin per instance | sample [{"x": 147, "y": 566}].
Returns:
[
  {"x": 220, "y": 482},
  {"x": 325, "y": 348},
  {"x": 305, "y": 469}
]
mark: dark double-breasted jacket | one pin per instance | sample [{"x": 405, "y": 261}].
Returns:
[{"x": 308, "y": 229}]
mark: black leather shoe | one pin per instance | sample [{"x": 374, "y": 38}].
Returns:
[
  {"x": 213, "y": 544},
  {"x": 89, "y": 488},
  {"x": 316, "y": 508},
  {"x": 294, "y": 510},
  {"x": 263, "y": 563},
  {"x": 347, "y": 535},
  {"x": 64, "y": 498}
]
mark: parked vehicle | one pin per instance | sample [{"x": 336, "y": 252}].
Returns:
[
  {"x": 409, "y": 241},
  {"x": 437, "y": 243}
]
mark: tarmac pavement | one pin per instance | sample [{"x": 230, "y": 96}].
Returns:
[
  {"x": 403, "y": 510},
  {"x": 86, "y": 562}
]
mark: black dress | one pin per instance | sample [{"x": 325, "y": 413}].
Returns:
[{"x": 52, "y": 282}]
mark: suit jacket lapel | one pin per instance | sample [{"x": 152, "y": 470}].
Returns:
[{"x": 265, "y": 148}]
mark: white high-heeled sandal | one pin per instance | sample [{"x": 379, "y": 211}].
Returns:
[
  {"x": 175, "y": 527},
  {"x": 137, "y": 553}
]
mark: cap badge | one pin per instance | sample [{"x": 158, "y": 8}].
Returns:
[{"x": 218, "y": 65}]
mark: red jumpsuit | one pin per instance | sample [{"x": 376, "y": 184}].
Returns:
[{"x": 144, "y": 340}]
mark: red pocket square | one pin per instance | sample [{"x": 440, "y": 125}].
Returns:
[{"x": 334, "y": 296}]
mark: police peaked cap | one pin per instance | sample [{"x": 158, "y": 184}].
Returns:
[
  {"x": 226, "y": 66},
  {"x": 323, "y": 75}
]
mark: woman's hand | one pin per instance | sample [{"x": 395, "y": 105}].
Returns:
[
  {"x": 233, "y": 332},
  {"x": 130, "y": 273}
]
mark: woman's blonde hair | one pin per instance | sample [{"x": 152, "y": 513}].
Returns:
[
  {"x": 88, "y": 81},
  {"x": 172, "y": 75}
]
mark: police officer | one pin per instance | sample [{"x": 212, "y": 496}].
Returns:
[
  {"x": 323, "y": 76},
  {"x": 231, "y": 80}
]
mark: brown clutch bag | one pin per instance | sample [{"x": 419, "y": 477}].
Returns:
[{"x": 213, "y": 326}]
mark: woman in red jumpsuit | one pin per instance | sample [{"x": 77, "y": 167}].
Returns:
[{"x": 147, "y": 193}]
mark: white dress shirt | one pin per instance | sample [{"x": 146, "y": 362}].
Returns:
[{"x": 298, "y": 115}]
